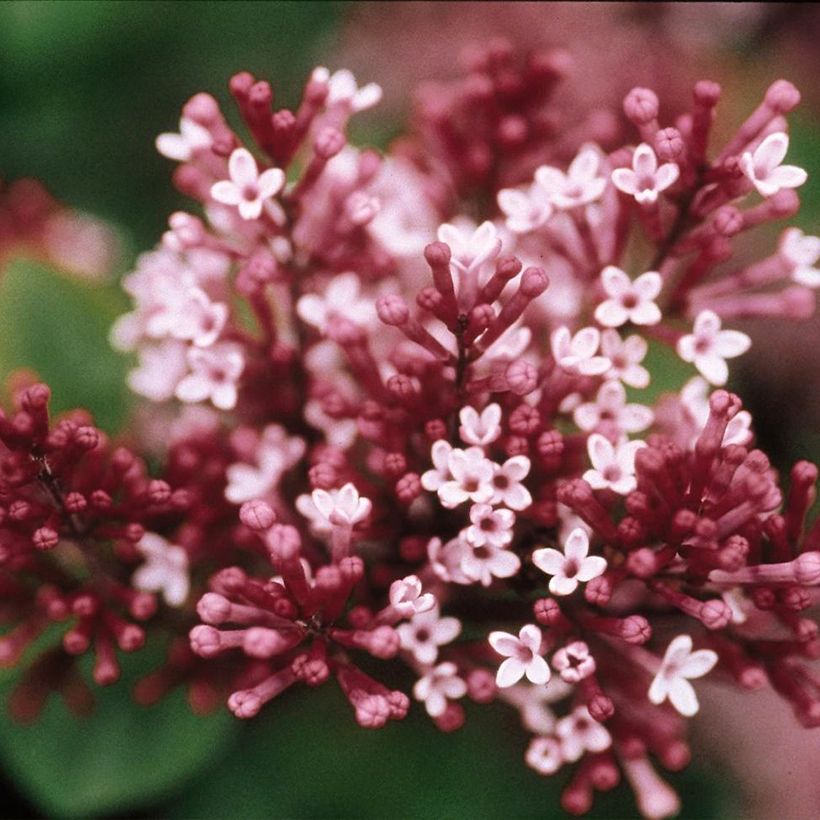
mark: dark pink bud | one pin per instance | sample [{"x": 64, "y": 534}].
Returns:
[
  {"x": 45, "y": 538},
  {"x": 782, "y": 96},
  {"x": 257, "y": 515}
]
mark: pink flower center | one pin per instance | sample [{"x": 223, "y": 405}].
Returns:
[{"x": 250, "y": 192}]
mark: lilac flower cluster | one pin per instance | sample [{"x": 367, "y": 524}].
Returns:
[{"x": 400, "y": 398}]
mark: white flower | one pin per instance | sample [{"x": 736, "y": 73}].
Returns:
[
  {"x": 165, "y": 569},
  {"x": 544, "y": 755},
  {"x": 470, "y": 249},
  {"x": 191, "y": 138},
  {"x": 525, "y": 211},
  {"x": 343, "y": 89},
  {"x": 426, "y": 632},
  {"x": 680, "y": 664},
  {"x": 198, "y": 319},
  {"x": 577, "y": 354},
  {"x": 507, "y": 487},
  {"x": 483, "y": 563},
  {"x": 764, "y": 169},
  {"x": 707, "y": 347},
  {"x": 493, "y": 527},
  {"x": 580, "y": 733},
  {"x": 433, "y": 479},
  {"x": 335, "y": 508},
  {"x": 610, "y": 407},
  {"x": 214, "y": 374},
  {"x": 613, "y": 467},
  {"x": 161, "y": 367},
  {"x": 645, "y": 180},
  {"x": 523, "y": 656},
  {"x": 407, "y": 599},
  {"x": 579, "y": 186},
  {"x": 480, "y": 429},
  {"x": 629, "y": 301},
  {"x": 439, "y": 685},
  {"x": 571, "y": 566},
  {"x": 573, "y": 662},
  {"x": 471, "y": 478},
  {"x": 341, "y": 298},
  {"x": 445, "y": 559},
  {"x": 247, "y": 189},
  {"x": 625, "y": 358},
  {"x": 802, "y": 253}
]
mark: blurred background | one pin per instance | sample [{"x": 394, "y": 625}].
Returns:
[{"x": 84, "y": 89}]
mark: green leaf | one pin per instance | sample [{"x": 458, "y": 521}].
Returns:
[
  {"x": 122, "y": 758},
  {"x": 59, "y": 328}
]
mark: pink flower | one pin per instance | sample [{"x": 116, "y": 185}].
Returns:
[
  {"x": 613, "y": 467},
  {"x": 161, "y": 367},
  {"x": 344, "y": 91},
  {"x": 625, "y": 357},
  {"x": 480, "y": 429},
  {"x": 327, "y": 510},
  {"x": 579, "y": 733},
  {"x": 433, "y": 480},
  {"x": 802, "y": 253},
  {"x": 610, "y": 407},
  {"x": 470, "y": 248},
  {"x": 571, "y": 566},
  {"x": 439, "y": 685},
  {"x": 480, "y": 564},
  {"x": 680, "y": 664},
  {"x": 215, "y": 372},
  {"x": 574, "y": 662},
  {"x": 198, "y": 319},
  {"x": 525, "y": 210},
  {"x": 340, "y": 299},
  {"x": 181, "y": 147},
  {"x": 579, "y": 186},
  {"x": 544, "y": 755},
  {"x": 426, "y": 632},
  {"x": 493, "y": 527},
  {"x": 247, "y": 188},
  {"x": 645, "y": 180},
  {"x": 407, "y": 599},
  {"x": 471, "y": 478},
  {"x": 764, "y": 169},
  {"x": 708, "y": 347},
  {"x": 165, "y": 569},
  {"x": 578, "y": 353},
  {"x": 629, "y": 301},
  {"x": 507, "y": 487},
  {"x": 523, "y": 657}
]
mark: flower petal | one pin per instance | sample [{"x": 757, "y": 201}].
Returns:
[{"x": 509, "y": 673}]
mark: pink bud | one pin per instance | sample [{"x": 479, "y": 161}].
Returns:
[{"x": 257, "y": 515}]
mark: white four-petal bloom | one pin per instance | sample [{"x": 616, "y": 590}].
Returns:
[
  {"x": 523, "y": 656},
  {"x": 335, "y": 508},
  {"x": 625, "y": 356},
  {"x": 340, "y": 299},
  {"x": 214, "y": 374},
  {"x": 764, "y": 167},
  {"x": 165, "y": 569},
  {"x": 507, "y": 487},
  {"x": 440, "y": 684},
  {"x": 580, "y": 185},
  {"x": 679, "y": 665},
  {"x": 629, "y": 301},
  {"x": 426, "y": 632},
  {"x": 525, "y": 210},
  {"x": 613, "y": 466},
  {"x": 482, "y": 428},
  {"x": 470, "y": 248},
  {"x": 191, "y": 138},
  {"x": 610, "y": 407},
  {"x": 407, "y": 599},
  {"x": 579, "y": 732},
  {"x": 247, "y": 189},
  {"x": 645, "y": 180},
  {"x": 708, "y": 347},
  {"x": 571, "y": 566},
  {"x": 579, "y": 353},
  {"x": 801, "y": 252}
]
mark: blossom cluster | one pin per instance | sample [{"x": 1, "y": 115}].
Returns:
[{"x": 401, "y": 402}]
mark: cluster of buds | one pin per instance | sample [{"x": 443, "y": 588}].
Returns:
[{"x": 421, "y": 418}]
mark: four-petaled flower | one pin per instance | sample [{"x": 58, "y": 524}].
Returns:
[
  {"x": 247, "y": 189},
  {"x": 613, "y": 466},
  {"x": 470, "y": 248},
  {"x": 625, "y": 357},
  {"x": 708, "y": 347},
  {"x": 327, "y": 510},
  {"x": 471, "y": 478},
  {"x": 480, "y": 429},
  {"x": 578, "y": 353},
  {"x": 191, "y": 138},
  {"x": 802, "y": 253},
  {"x": 344, "y": 90},
  {"x": 629, "y": 301},
  {"x": 489, "y": 526},
  {"x": 764, "y": 167},
  {"x": 571, "y": 566},
  {"x": 679, "y": 665},
  {"x": 580, "y": 185},
  {"x": 340, "y": 299},
  {"x": 426, "y": 632},
  {"x": 645, "y": 180},
  {"x": 165, "y": 569},
  {"x": 523, "y": 656},
  {"x": 214, "y": 374},
  {"x": 507, "y": 487},
  {"x": 579, "y": 732},
  {"x": 573, "y": 662},
  {"x": 527, "y": 210},
  {"x": 407, "y": 599},
  {"x": 610, "y": 407},
  {"x": 440, "y": 684},
  {"x": 544, "y": 755}
]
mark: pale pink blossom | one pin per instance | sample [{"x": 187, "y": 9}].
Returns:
[
  {"x": 181, "y": 147},
  {"x": 437, "y": 686},
  {"x": 340, "y": 299},
  {"x": 330, "y": 509},
  {"x": 247, "y": 189},
  {"x": 572, "y": 566},
  {"x": 408, "y": 600},
  {"x": 523, "y": 656},
  {"x": 489, "y": 526},
  {"x": 214, "y": 374},
  {"x": 198, "y": 319},
  {"x": 679, "y": 665},
  {"x": 579, "y": 353},
  {"x": 544, "y": 755},
  {"x": 482, "y": 428},
  {"x": 580, "y": 733},
  {"x": 645, "y": 180},
  {"x": 580, "y": 185},
  {"x": 471, "y": 478},
  {"x": 481, "y": 564},
  {"x": 764, "y": 167},
  {"x": 610, "y": 407},
  {"x": 525, "y": 210},
  {"x": 161, "y": 368},
  {"x": 573, "y": 662},
  {"x": 625, "y": 357},
  {"x": 446, "y": 558},
  {"x": 629, "y": 301},
  {"x": 343, "y": 89},
  {"x": 708, "y": 347},
  {"x": 433, "y": 480},
  {"x": 613, "y": 466},
  {"x": 426, "y": 632},
  {"x": 165, "y": 569},
  {"x": 506, "y": 483},
  {"x": 802, "y": 253}
]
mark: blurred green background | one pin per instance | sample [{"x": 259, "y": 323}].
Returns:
[{"x": 84, "y": 89}]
